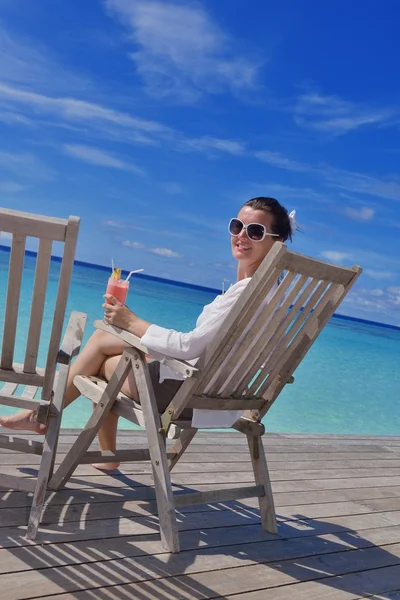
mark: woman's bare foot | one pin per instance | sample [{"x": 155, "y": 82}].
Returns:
[
  {"x": 24, "y": 420},
  {"x": 111, "y": 466}
]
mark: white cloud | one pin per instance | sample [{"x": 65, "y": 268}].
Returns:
[
  {"x": 10, "y": 187},
  {"x": 333, "y": 115},
  {"x": 25, "y": 165},
  {"x": 130, "y": 244},
  {"x": 394, "y": 290},
  {"x": 210, "y": 144},
  {"x": 360, "y": 214},
  {"x": 180, "y": 52},
  {"x": 91, "y": 118},
  {"x": 378, "y": 274},
  {"x": 338, "y": 178},
  {"x": 113, "y": 224},
  {"x": 337, "y": 257},
  {"x": 377, "y": 300},
  {"x": 94, "y": 156},
  {"x": 165, "y": 252},
  {"x": 276, "y": 159},
  {"x": 27, "y": 61},
  {"x": 87, "y": 114},
  {"x": 173, "y": 187}
]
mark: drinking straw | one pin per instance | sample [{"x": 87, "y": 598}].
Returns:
[
  {"x": 132, "y": 272},
  {"x": 112, "y": 265}
]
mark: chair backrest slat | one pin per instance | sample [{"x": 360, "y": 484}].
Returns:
[
  {"x": 12, "y": 302},
  {"x": 300, "y": 349},
  {"x": 218, "y": 385},
  {"x": 244, "y": 310},
  {"x": 37, "y": 226},
  {"x": 37, "y": 310},
  {"x": 293, "y": 340},
  {"x": 269, "y": 335},
  {"x": 67, "y": 264},
  {"x": 46, "y": 230},
  {"x": 295, "y": 321}
]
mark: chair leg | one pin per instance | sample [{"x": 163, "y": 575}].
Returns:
[
  {"x": 158, "y": 456},
  {"x": 86, "y": 437},
  {"x": 180, "y": 445},
  {"x": 261, "y": 475},
  {"x": 49, "y": 453}
]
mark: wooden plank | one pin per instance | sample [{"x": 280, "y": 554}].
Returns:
[
  {"x": 48, "y": 454},
  {"x": 138, "y": 454},
  {"x": 317, "y": 269},
  {"x": 29, "y": 392},
  {"x": 17, "y": 375},
  {"x": 12, "y": 301},
  {"x": 61, "y": 303},
  {"x": 89, "y": 551},
  {"x": 38, "y": 301},
  {"x": 8, "y": 389},
  {"x": 273, "y": 332},
  {"x": 159, "y": 461},
  {"x": 248, "y": 343},
  {"x": 261, "y": 476},
  {"x": 73, "y": 337},
  {"x": 18, "y": 401},
  {"x": 17, "y": 444},
  {"x": 275, "y": 460},
  {"x": 282, "y": 342},
  {"x": 222, "y": 495},
  {"x": 218, "y": 403},
  {"x": 132, "y": 457},
  {"x": 131, "y": 579},
  {"x": 12, "y": 482},
  {"x": 33, "y": 225},
  {"x": 253, "y": 550},
  {"x": 93, "y": 388}
]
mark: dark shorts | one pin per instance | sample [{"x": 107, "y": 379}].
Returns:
[{"x": 166, "y": 390}]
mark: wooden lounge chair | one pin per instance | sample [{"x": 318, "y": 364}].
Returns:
[
  {"x": 245, "y": 368},
  {"x": 35, "y": 381}
]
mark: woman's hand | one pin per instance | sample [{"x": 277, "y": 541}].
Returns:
[
  {"x": 117, "y": 314},
  {"x": 121, "y": 316}
]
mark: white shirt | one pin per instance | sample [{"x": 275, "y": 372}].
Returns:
[{"x": 189, "y": 346}]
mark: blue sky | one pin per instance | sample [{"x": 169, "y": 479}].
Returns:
[{"x": 155, "y": 120}]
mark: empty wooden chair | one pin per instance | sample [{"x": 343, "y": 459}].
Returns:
[
  {"x": 254, "y": 355},
  {"x": 24, "y": 382}
]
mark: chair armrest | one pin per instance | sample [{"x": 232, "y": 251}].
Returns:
[
  {"x": 72, "y": 341},
  {"x": 180, "y": 366}
]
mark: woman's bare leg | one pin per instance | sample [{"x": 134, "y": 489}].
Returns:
[
  {"x": 99, "y": 347},
  {"x": 107, "y": 435}
]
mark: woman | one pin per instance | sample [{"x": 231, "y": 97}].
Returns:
[{"x": 259, "y": 224}]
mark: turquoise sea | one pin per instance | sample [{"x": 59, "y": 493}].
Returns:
[{"x": 349, "y": 382}]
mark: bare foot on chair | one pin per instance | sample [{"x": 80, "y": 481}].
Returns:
[
  {"x": 25, "y": 421},
  {"x": 111, "y": 466}
]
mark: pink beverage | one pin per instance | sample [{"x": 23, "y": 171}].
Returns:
[{"x": 118, "y": 288}]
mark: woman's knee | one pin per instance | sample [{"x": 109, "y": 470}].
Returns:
[{"x": 108, "y": 343}]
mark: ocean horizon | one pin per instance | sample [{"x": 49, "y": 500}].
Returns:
[{"x": 185, "y": 284}]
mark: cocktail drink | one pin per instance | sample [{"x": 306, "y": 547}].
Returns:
[{"x": 118, "y": 288}]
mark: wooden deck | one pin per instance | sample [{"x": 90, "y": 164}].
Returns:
[{"x": 338, "y": 503}]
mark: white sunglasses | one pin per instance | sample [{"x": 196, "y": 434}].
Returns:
[{"x": 254, "y": 231}]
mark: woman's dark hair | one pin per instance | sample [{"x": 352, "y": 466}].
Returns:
[{"x": 280, "y": 222}]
